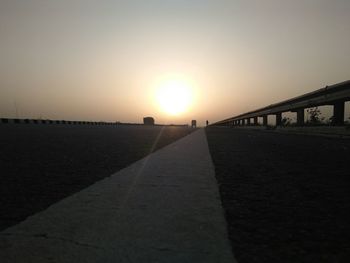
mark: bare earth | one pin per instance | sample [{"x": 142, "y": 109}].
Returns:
[
  {"x": 286, "y": 197},
  {"x": 42, "y": 164}
]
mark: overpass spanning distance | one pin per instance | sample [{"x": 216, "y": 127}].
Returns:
[{"x": 335, "y": 95}]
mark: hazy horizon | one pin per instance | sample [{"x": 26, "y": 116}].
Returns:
[{"x": 103, "y": 60}]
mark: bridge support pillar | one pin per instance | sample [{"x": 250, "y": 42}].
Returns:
[
  {"x": 248, "y": 121},
  {"x": 255, "y": 120},
  {"x": 265, "y": 120},
  {"x": 279, "y": 119},
  {"x": 300, "y": 117},
  {"x": 338, "y": 113}
]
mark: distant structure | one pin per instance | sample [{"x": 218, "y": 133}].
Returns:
[
  {"x": 193, "y": 123},
  {"x": 336, "y": 95},
  {"x": 148, "y": 121}
]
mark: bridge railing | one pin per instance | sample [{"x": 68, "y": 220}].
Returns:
[{"x": 335, "y": 95}]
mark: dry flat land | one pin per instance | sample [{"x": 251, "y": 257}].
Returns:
[
  {"x": 41, "y": 164},
  {"x": 286, "y": 197}
]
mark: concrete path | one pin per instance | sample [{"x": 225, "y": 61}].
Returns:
[{"x": 163, "y": 208}]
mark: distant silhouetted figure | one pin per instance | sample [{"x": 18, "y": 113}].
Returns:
[
  {"x": 194, "y": 124},
  {"x": 207, "y": 122}
]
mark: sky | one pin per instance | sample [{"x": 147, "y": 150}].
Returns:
[{"x": 104, "y": 60}]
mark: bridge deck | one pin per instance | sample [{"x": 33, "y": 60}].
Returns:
[{"x": 163, "y": 208}]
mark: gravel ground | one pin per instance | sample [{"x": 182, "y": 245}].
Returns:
[
  {"x": 41, "y": 164},
  {"x": 286, "y": 197}
]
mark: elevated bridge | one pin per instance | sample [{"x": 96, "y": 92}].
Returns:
[{"x": 335, "y": 95}]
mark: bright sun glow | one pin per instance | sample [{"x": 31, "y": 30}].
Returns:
[{"x": 174, "y": 96}]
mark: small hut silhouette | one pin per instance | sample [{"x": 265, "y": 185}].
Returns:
[
  {"x": 148, "y": 121},
  {"x": 193, "y": 123}
]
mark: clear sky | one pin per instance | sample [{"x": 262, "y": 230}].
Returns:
[{"x": 104, "y": 60}]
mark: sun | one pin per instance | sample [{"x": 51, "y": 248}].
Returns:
[{"x": 174, "y": 96}]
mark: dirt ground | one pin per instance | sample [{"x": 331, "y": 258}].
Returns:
[
  {"x": 42, "y": 164},
  {"x": 286, "y": 197}
]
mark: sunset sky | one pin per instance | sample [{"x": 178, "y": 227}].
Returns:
[{"x": 108, "y": 60}]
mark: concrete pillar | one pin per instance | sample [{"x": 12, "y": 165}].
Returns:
[
  {"x": 300, "y": 117},
  {"x": 265, "y": 120},
  {"x": 279, "y": 119},
  {"x": 248, "y": 121},
  {"x": 338, "y": 113},
  {"x": 255, "y": 120}
]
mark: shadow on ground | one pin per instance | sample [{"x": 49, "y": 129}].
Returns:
[
  {"x": 41, "y": 164},
  {"x": 286, "y": 197}
]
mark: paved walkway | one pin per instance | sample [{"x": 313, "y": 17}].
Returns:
[{"x": 163, "y": 208}]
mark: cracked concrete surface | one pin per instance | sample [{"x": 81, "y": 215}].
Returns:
[{"x": 163, "y": 208}]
